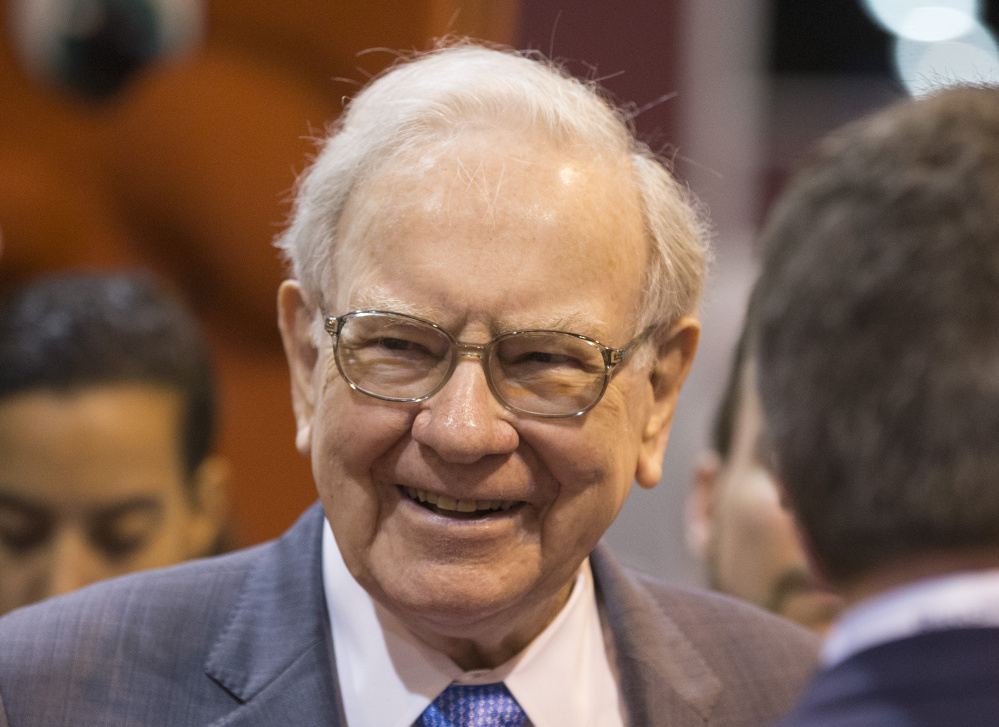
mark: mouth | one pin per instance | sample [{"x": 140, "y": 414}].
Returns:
[{"x": 461, "y": 509}]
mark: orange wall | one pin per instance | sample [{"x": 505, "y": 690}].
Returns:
[{"x": 187, "y": 171}]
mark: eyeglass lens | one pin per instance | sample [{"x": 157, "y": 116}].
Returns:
[{"x": 547, "y": 373}]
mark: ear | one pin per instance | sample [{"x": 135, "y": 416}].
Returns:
[
  {"x": 674, "y": 358},
  {"x": 295, "y": 323},
  {"x": 699, "y": 513},
  {"x": 209, "y": 506}
]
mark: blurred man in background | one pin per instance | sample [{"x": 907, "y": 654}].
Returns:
[
  {"x": 106, "y": 420},
  {"x": 877, "y": 321},
  {"x": 736, "y": 521}
]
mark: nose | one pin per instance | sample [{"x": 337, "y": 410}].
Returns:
[
  {"x": 464, "y": 422},
  {"x": 73, "y": 564}
]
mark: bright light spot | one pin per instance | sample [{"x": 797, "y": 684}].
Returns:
[
  {"x": 935, "y": 24},
  {"x": 923, "y": 67},
  {"x": 569, "y": 174},
  {"x": 925, "y": 19}
]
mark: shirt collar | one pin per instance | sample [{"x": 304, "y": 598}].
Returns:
[
  {"x": 388, "y": 677},
  {"x": 960, "y": 600}
]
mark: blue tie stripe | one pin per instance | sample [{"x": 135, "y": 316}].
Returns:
[{"x": 481, "y": 705}]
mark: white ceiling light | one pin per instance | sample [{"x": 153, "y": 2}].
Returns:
[
  {"x": 936, "y": 24},
  {"x": 925, "y": 20},
  {"x": 923, "y": 67}
]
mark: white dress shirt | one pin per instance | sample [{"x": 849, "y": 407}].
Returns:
[
  {"x": 388, "y": 677},
  {"x": 960, "y": 600}
]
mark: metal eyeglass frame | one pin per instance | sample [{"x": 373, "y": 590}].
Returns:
[{"x": 612, "y": 357}]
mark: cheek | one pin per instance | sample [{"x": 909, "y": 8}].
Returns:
[
  {"x": 164, "y": 542},
  {"x": 354, "y": 437},
  {"x": 592, "y": 472},
  {"x": 580, "y": 517},
  {"x": 22, "y": 578},
  {"x": 352, "y": 432},
  {"x": 756, "y": 536},
  {"x": 762, "y": 520}
]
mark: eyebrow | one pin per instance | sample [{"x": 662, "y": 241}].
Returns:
[
  {"x": 108, "y": 509},
  {"x": 569, "y": 322},
  {"x": 15, "y": 502},
  {"x": 376, "y": 300}
]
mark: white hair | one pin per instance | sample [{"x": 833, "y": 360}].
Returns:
[{"x": 438, "y": 94}]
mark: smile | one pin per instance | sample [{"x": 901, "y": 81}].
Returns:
[{"x": 450, "y": 506}]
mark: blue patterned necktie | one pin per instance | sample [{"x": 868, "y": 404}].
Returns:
[{"x": 465, "y": 705}]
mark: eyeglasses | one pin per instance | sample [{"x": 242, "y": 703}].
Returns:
[{"x": 397, "y": 357}]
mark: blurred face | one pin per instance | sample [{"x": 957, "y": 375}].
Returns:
[
  {"x": 488, "y": 236},
  {"x": 91, "y": 486},
  {"x": 750, "y": 541}
]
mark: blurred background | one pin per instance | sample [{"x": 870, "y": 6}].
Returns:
[{"x": 167, "y": 134}]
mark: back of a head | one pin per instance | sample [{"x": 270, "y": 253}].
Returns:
[
  {"x": 877, "y": 316},
  {"x": 72, "y": 332},
  {"x": 434, "y": 97}
]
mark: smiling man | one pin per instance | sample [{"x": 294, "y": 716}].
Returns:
[{"x": 490, "y": 317}]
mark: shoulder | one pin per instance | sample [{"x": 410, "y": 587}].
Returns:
[
  {"x": 731, "y": 632},
  {"x": 730, "y": 662},
  {"x": 181, "y": 645},
  {"x": 935, "y": 678},
  {"x": 143, "y": 629},
  {"x": 145, "y": 599}
]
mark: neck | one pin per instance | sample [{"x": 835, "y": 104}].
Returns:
[{"x": 899, "y": 572}]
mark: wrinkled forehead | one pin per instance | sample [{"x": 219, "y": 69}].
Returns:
[{"x": 501, "y": 183}]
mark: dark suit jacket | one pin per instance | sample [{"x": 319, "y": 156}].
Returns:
[
  {"x": 939, "y": 679},
  {"x": 244, "y": 640}
]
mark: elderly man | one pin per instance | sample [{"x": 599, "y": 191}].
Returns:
[
  {"x": 878, "y": 339},
  {"x": 736, "y": 520},
  {"x": 489, "y": 323}
]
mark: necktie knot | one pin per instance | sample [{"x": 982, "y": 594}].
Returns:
[{"x": 480, "y": 705}]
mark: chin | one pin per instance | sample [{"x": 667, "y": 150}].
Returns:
[{"x": 458, "y": 602}]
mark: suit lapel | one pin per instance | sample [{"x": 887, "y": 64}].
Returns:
[
  {"x": 664, "y": 679},
  {"x": 274, "y": 655}
]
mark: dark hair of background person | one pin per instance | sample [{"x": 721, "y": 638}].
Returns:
[
  {"x": 877, "y": 314},
  {"x": 727, "y": 413},
  {"x": 725, "y": 424},
  {"x": 68, "y": 332}
]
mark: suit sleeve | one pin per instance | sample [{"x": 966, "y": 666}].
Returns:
[{"x": 3, "y": 714}]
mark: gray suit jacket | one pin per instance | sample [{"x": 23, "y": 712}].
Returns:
[{"x": 244, "y": 640}]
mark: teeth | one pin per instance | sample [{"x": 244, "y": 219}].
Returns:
[{"x": 449, "y": 503}]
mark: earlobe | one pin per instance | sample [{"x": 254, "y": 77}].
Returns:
[
  {"x": 295, "y": 323},
  {"x": 674, "y": 358}
]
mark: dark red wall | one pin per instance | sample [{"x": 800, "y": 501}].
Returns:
[{"x": 634, "y": 46}]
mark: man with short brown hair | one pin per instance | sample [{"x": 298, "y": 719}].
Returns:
[{"x": 877, "y": 324}]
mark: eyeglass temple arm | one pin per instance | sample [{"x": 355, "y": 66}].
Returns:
[
  {"x": 330, "y": 324},
  {"x": 615, "y": 356}
]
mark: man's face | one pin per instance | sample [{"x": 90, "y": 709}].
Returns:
[
  {"x": 92, "y": 485},
  {"x": 749, "y": 540},
  {"x": 491, "y": 235}
]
